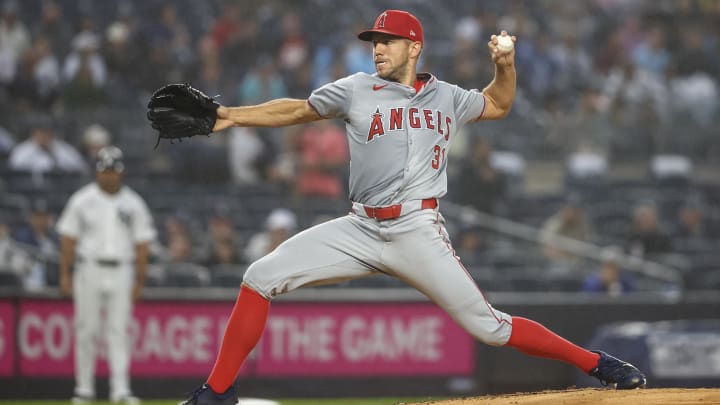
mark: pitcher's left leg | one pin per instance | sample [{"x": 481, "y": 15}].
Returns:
[
  {"x": 425, "y": 259},
  {"x": 421, "y": 255}
]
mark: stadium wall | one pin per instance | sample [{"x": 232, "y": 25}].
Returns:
[{"x": 399, "y": 345}]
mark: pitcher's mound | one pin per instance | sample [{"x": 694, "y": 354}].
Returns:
[{"x": 595, "y": 396}]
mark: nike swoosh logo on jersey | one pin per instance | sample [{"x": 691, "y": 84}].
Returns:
[{"x": 376, "y": 87}]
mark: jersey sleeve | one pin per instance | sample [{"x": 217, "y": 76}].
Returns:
[
  {"x": 69, "y": 222},
  {"x": 469, "y": 104},
  {"x": 143, "y": 227},
  {"x": 333, "y": 99}
]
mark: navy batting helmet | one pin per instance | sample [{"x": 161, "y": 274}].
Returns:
[{"x": 110, "y": 158}]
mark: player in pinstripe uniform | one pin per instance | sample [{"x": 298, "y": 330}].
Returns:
[{"x": 105, "y": 230}]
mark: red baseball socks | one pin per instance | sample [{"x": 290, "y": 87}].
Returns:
[
  {"x": 243, "y": 331},
  {"x": 536, "y": 340}
]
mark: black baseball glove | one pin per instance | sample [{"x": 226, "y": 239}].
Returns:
[{"x": 179, "y": 111}]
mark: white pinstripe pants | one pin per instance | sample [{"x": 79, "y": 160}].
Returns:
[{"x": 97, "y": 289}]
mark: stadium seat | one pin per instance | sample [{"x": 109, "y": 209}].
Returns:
[
  {"x": 527, "y": 283},
  {"x": 10, "y": 279},
  {"x": 696, "y": 246},
  {"x": 155, "y": 276},
  {"x": 186, "y": 275},
  {"x": 230, "y": 276},
  {"x": 14, "y": 206},
  {"x": 703, "y": 280},
  {"x": 487, "y": 279},
  {"x": 564, "y": 284}
]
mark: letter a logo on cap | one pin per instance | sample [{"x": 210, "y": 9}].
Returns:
[{"x": 380, "y": 23}]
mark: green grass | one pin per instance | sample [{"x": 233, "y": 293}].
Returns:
[{"x": 331, "y": 401}]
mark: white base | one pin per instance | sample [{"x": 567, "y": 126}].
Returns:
[{"x": 256, "y": 401}]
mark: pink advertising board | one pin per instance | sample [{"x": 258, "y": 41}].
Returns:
[
  {"x": 167, "y": 338},
  {"x": 182, "y": 338},
  {"x": 363, "y": 340},
  {"x": 7, "y": 338}
]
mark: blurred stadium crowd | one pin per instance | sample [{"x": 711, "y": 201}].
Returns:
[{"x": 602, "y": 83}]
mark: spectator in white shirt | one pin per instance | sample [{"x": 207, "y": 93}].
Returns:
[
  {"x": 279, "y": 226},
  {"x": 85, "y": 55},
  {"x": 44, "y": 152},
  {"x": 14, "y": 35}
]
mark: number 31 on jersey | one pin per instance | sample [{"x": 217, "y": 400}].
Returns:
[{"x": 438, "y": 157}]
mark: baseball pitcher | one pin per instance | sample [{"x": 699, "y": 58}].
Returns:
[{"x": 399, "y": 125}]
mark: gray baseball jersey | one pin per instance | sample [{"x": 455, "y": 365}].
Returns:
[
  {"x": 397, "y": 144},
  {"x": 397, "y": 138}
]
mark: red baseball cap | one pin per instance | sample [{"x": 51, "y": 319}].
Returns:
[{"x": 395, "y": 22}]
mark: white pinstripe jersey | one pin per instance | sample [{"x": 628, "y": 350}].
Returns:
[{"x": 106, "y": 226}]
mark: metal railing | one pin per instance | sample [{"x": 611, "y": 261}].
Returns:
[{"x": 506, "y": 227}]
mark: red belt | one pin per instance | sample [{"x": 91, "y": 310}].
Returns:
[{"x": 394, "y": 211}]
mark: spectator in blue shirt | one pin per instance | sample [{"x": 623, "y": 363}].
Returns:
[{"x": 609, "y": 278}]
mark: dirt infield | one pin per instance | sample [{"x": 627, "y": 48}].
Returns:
[{"x": 657, "y": 396}]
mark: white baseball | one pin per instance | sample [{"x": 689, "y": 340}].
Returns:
[{"x": 505, "y": 43}]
